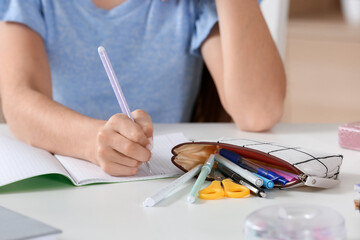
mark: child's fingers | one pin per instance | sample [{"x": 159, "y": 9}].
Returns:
[
  {"x": 108, "y": 154},
  {"x": 130, "y": 149},
  {"x": 116, "y": 169},
  {"x": 144, "y": 120},
  {"x": 109, "y": 141},
  {"x": 126, "y": 127},
  {"x": 122, "y": 144}
]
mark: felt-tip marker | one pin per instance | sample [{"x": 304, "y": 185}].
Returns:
[
  {"x": 267, "y": 183},
  {"x": 239, "y": 160},
  {"x": 170, "y": 189},
  {"x": 205, "y": 170},
  {"x": 237, "y": 178},
  {"x": 249, "y": 176}
]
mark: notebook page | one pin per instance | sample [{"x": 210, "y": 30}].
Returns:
[
  {"x": 19, "y": 161},
  {"x": 84, "y": 172}
]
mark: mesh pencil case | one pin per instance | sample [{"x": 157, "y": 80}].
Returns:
[{"x": 315, "y": 169}]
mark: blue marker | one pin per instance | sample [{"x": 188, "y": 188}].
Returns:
[
  {"x": 237, "y": 159},
  {"x": 267, "y": 183}
]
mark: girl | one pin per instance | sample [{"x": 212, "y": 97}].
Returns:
[{"x": 55, "y": 93}]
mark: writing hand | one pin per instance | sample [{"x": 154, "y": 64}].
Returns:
[{"x": 123, "y": 145}]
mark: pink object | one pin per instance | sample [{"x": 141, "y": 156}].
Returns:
[
  {"x": 349, "y": 135},
  {"x": 288, "y": 176}
]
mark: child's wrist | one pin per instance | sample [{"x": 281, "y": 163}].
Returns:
[{"x": 90, "y": 153}]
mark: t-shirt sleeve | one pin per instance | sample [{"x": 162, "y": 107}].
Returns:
[
  {"x": 27, "y": 12},
  {"x": 205, "y": 19}
]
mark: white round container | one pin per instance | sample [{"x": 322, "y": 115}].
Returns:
[{"x": 295, "y": 222}]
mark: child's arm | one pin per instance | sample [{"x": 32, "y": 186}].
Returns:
[
  {"x": 117, "y": 145},
  {"x": 245, "y": 65}
]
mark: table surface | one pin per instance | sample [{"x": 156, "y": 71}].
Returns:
[{"x": 114, "y": 211}]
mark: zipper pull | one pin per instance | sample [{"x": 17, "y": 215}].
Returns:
[{"x": 319, "y": 182}]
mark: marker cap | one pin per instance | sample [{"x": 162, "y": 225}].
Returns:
[
  {"x": 267, "y": 183},
  {"x": 232, "y": 156}
]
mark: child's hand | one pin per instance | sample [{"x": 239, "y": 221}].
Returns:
[{"x": 123, "y": 145}]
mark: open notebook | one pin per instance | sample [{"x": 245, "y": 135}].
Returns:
[{"x": 20, "y": 161}]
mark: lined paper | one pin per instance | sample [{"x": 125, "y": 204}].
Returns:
[
  {"x": 19, "y": 161},
  {"x": 84, "y": 172}
]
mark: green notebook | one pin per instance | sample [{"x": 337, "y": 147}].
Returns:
[
  {"x": 15, "y": 226},
  {"x": 20, "y": 161}
]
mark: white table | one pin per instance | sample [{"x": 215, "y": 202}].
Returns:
[{"x": 114, "y": 211}]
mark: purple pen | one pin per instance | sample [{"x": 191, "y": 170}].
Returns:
[
  {"x": 114, "y": 82},
  {"x": 117, "y": 89}
]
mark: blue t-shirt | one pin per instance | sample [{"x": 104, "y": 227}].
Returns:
[{"x": 154, "y": 47}]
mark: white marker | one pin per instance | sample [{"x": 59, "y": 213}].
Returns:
[
  {"x": 169, "y": 189},
  {"x": 239, "y": 170}
]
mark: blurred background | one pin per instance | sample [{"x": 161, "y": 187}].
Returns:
[
  {"x": 322, "y": 61},
  {"x": 319, "y": 41}
]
